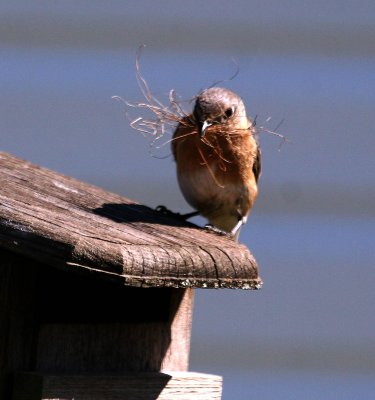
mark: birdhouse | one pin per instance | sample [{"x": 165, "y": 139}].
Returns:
[{"x": 96, "y": 291}]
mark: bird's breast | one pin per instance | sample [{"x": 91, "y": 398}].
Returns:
[
  {"x": 213, "y": 189},
  {"x": 215, "y": 174}
]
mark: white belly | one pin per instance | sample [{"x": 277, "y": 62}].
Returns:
[{"x": 222, "y": 203}]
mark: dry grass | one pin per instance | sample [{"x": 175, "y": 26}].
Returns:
[{"x": 159, "y": 120}]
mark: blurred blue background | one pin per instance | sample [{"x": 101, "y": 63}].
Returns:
[{"x": 309, "y": 333}]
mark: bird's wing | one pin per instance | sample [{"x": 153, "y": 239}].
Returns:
[{"x": 257, "y": 166}]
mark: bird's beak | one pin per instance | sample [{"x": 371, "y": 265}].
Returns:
[{"x": 203, "y": 128}]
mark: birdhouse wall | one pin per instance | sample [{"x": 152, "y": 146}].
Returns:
[
  {"x": 52, "y": 321},
  {"x": 17, "y": 320}
]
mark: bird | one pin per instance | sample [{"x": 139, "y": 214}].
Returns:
[{"x": 218, "y": 160}]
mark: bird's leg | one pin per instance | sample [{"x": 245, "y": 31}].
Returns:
[
  {"x": 165, "y": 211},
  {"x": 233, "y": 234},
  {"x": 236, "y": 230}
]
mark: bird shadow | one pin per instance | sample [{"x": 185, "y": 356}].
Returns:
[{"x": 132, "y": 213}]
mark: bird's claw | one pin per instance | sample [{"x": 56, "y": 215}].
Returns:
[
  {"x": 212, "y": 228},
  {"x": 166, "y": 211}
]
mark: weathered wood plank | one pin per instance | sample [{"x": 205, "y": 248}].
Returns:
[
  {"x": 73, "y": 225},
  {"x": 177, "y": 355},
  {"x": 17, "y": 319},
  {"x": 150, "y": 341},
  {"x": 59, "y": 322},
  {"x": 141, "y": 386}
]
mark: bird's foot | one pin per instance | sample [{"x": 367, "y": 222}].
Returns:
[
  {"x": 212, "y": 228},
  {"x": 166, "y": 211}
]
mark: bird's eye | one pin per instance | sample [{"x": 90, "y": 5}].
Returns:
[{"x": 229, "y": 112}]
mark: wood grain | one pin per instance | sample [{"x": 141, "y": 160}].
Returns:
[
  {"x": 56, "y": 322},
  {"x": 141, "y": 386},
  {"x": 98, "y": 346},
  {"x": 76, "y": 226},
  {"x": 176, "y": 358}
]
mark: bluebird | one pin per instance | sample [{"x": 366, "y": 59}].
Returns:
[{"x": 218, "y": 159}]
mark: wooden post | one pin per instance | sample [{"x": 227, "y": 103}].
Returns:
[{"x": 96, "y": 291}]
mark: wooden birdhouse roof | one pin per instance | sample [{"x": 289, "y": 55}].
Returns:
[{"x": 68, "y": 224}]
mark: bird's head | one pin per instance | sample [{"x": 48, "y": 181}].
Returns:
[{"x": 218, "y": 106}]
